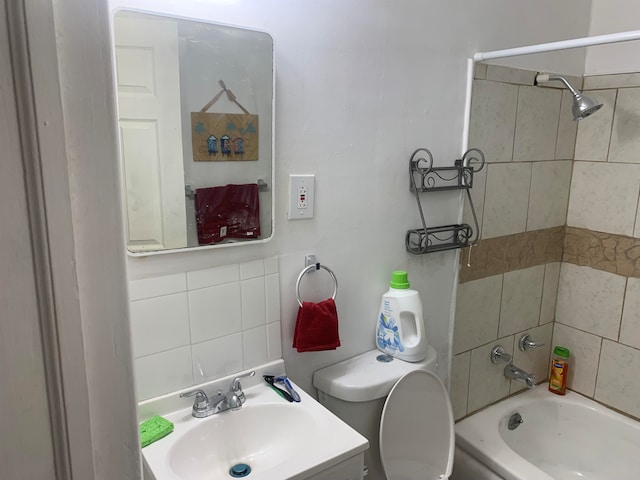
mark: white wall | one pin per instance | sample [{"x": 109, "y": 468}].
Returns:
[
  {"x": 360, "y": 85},
  {"x": 611, "y": 16}
]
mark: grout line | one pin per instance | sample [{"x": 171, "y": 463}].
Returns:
[
  {"x": 595, "y": 383},
  {"x": 624, "y": 301},
  {"x": 613, "y": 117}
]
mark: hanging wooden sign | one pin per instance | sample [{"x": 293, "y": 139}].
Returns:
[{"x": 224, "y": 136}]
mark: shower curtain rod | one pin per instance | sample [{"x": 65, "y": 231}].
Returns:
[{"x": 561, "y": 45}]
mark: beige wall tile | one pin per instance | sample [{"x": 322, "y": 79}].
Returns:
[
  {"x": 549, "y": 195},
  {"x": 487, "y": 383},
  {"x": 618, "y": 382},
  {"x": 625, "y": 140},
  {"x": 460, "y": 365},
  {"x": 604, "y": 197},
  {"x": 480, "y": 71},
  {"x": 567, "y": 129},
  {"x": 594, "y": 132},
  {"x": 630, "y": 328},
  {"x": 498, "y": 73},
  {"x": 506, "y": 199},
  {"x": 549, "y": 292},
  {"x": 590, "y": 300},
  {"x": 477, "y": 195},
  {"x": 612, "y": 81},
  {"x": 536, "y": 124},
  {"x": 585, "y": 355},
  {"x": 521, "y": 297},
  {"x": 493, "y": 119},
  {"x": 477, "y": 313},
  {"x": 535, "y": 360}
]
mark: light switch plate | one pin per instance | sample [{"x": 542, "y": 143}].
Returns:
[{"x": 301, "y": 196}]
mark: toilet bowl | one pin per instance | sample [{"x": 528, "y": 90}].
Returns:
[{"x": 402, "y": 408}]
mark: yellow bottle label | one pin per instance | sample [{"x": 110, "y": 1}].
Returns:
[{"x": 556, "y": 380}]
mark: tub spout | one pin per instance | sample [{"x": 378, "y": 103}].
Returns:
[{"x": 514, "y": 373}]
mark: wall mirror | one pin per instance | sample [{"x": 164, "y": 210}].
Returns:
[{"x": 195, "y": 110}]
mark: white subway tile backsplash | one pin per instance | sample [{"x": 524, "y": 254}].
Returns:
[
  {"x": 274, "y": 341},
  {"x": 217, "y": 358},
  {"x": 210, "y": 277},
  {"x": 253, "y": 303},
  {"x": 252, "y": 269},
  {"x": 272, "y": 289},
  {"x": 163, "y": 373},
  {"x": 155, "y": 287},
  {"x": 214, "y": 312},
  {"x": 271, "y": 265},
  {"x": 159, "y": 324},
  {"x": 192, "y": 327},
  {"x": 618, "y": 382},
  {"x": 590, "y": 300},
  {"x": 254, "y": 347},
  {"x": 521, "y": 297}
]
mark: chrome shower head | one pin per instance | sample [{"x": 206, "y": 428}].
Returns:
[{"x": 583, "y": 106}]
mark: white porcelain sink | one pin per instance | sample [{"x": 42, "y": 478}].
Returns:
[
  {"x": 277, "y": 439},
  {"x": 262, "y": 436}
]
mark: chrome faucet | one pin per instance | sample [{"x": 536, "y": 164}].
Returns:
[
  {"x": 511, "y": 371},
  {"x": 203, "y": 406},
  {"x": 526, "y": 342},
  {"x": 514, "y": 373}
]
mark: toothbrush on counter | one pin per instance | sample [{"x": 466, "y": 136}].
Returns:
[{"x": 285, "y": 381}]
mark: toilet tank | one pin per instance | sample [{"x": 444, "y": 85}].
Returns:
[{"x": 355, "y": 390}]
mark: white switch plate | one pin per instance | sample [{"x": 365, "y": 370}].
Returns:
[{"x": 301, "y": 196}]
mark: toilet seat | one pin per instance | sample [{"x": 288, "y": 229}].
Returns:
[{"x": 417, "y": 436}]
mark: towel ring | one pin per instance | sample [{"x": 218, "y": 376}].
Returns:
[{"x": 316, "y": 266}]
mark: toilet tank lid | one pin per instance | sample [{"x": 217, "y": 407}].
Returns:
[{"x": 363, "y": 378}]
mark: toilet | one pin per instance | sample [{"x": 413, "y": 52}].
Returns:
[{"x": 402, "y": 408}]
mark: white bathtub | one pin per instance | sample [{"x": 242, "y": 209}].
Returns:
[{"x": 561, "y": 438}]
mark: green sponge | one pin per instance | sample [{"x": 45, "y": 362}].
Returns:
[{"x": 154, "y": 429}]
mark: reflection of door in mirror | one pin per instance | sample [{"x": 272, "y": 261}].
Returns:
[{"x": 148, "y": 82}]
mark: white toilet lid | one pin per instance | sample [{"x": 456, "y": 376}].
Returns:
[{"x": 416, "y": 430}]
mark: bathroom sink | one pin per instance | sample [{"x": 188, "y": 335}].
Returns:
[
  {"x": 261, "y": 436},
  {"x": 277, "y": 439}
]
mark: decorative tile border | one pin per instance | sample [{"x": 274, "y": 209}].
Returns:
[
  {"x": 603, "y": 251},
  {"x": 498, "y": 255}
]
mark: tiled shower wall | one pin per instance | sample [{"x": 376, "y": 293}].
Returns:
[
  {"x": 597, "y": 315},
  {"x": 528, "y": 135},
  {"x": 192, "y": 327},
  {"x": 598, "y": 312}
]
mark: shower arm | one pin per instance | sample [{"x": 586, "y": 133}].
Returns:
[{"x": 543, "y": 78}]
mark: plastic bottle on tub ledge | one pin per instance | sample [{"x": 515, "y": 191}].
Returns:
[
  {"x": 400, "y": 331},
  {"x": 559, "y": 370}
]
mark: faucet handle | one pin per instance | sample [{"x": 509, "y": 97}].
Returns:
[
  {"x": 236, "y": 387},
  {"x": 201, "y": 402},
  {"x": 526, "y": 342},
  {"x": 498, "y": 353}
]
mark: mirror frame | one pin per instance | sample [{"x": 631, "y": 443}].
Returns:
[{"x": 116, "y": 6}]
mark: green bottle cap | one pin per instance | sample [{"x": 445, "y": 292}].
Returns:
[
  {"x": 561, "y": 352},
  {"x": 399, "y": 280}
]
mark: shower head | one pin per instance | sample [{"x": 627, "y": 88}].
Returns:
[{"x": 583, "y": 106}]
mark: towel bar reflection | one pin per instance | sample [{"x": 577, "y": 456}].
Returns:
[{"x": 313, "y": 267}]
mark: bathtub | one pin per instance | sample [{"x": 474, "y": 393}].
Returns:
[{"x": 560, "y": 437}]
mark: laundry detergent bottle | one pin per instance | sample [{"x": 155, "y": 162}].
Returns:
[{"x": 400, "y": 330}]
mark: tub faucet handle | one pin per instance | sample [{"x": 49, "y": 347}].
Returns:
[
  {"x": 526, "y": 342},
  {"x": 498, "y": 354}
]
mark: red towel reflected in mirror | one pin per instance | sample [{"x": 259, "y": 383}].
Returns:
[{"x": 231, "y": 211}]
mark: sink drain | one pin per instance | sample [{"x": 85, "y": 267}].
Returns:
[{"x": 240, "y": 470}]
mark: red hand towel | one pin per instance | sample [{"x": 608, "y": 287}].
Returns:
[
  {"x": 232, "y": 211},
  {"x": 316, "y": 327}
]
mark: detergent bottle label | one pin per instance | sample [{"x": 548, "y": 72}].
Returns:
[{"x": 388, "y": 335}]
